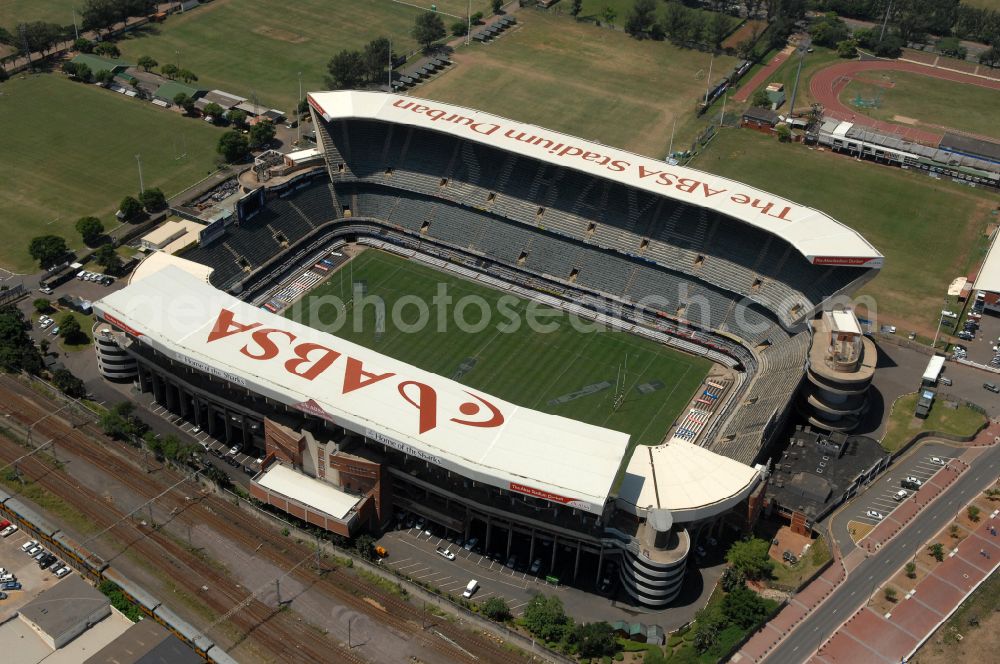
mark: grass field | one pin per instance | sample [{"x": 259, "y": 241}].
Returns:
[
  {"x": 617, "y": 90},
  {"x": 986, "y": 4},
  {"x": 930, "y": 231},
  {"x": 902, "y": 425},
  {"x": 593, "y": 10},
  {"x": 526, "y": 367},
  {"x": 69, "y": 151},
  {"x": 251, "y": 48},
  {"x": 13, "y": 12},
  {"x": 928, "y": 102}
]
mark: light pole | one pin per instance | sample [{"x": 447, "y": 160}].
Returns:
[
  {"x": 298, "y": 118},
  {"x": 138, "y": 161},
  {"x": 940, "y": 320},
  {"x": 468, "y": 31}
]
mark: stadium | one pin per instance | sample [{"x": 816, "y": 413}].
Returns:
[{"x": 707, "y": 284}]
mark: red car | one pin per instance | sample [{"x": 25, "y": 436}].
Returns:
[{"x": 4, "y": 524}]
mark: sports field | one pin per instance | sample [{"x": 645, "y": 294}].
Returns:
[
  {"x": 930, "y": 231},
  {"x": 13, "y": 12},
  {"x": 527, "y": 367},
  {"x": 615, "y": 89},
  {"x": 932, "y": 103},
  {"x": 73, "y": 154},
  {"x": 248, "y": 47},
  {"x": 593, "y": 10}
]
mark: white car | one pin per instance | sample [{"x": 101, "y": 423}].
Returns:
[
  {"x": 948, "y": 314},
  {"x": 900, "y": 495},
  {"x": 874, "y": 515},
  {"x": 445, "y": 553},
  {"x": 8, "y": 531},
  {"x": 61, "y": 572},
  {"x": 28, "y": 545},
  {"x": 45, "y": 290},
  {"x": 937, "y": 461},
  {"x": 913, "y": 480}
]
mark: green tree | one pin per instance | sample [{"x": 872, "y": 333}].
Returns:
[
  {"x": 42, "y": 305},
  {"x": 459, "y": 29},
  {"x": 973, "y": 513},
  {"x": 346, "y": 70},
  {"x": 184, "y": 101},
  {"x": 83, "y": 45},
  {"x": 848, "y": 48},
  {"x": 17, "y": 352},
  {"x": 936, "y": 551},
  {"x": 69, "y": 384},
  {"x": 760, "y": 99},
  {"x": 609, "y": 14},
  {"x": 147, "y": 63},
  {"x": 708, "y": 624},
  {"x": 90, "y": 229},
  {"x": 477, "y": 18},
  {"x": 169, "y": 70},
  {"x": 130, "y": 209},
  {"x": 595, "y": 639},
  {"x": 829, "y": 30},
  {"x": 911, "y": 570},
  {"x": 732, "y": 579},
  {"x": 641, "y": 18},
  {"x": 890, "y": 593},
  {"x": 497, "y": 6},
  {"x": 675, "y": 21},
  {"x": 186, "y": 75},
  {"x": 104, "y": 77},
  {"x": 237, "y": 118},
  {"x": 576, "y": 8},
  {"x": 377, "y": 55},
  {"x": 214, "y": 111},
  {"x": 718, "y": 28},
  {"x": 233, "y": 146},
  {"x": 80, "y": 72},
  {"x": 953, "y": 530},
  {"x": 495, "y": 608},
  {"x": 784, "y": 132},
  {"x": 107, "y": 49},
  {"x": 751, "y": 557},
  {"x": 69, "y": 328},
  {"x": 545, "y": 617},
  {"x": 427, "y": 29},
  {"x": 48, "y": 249},
  {"x": 108, "y": 258},
  {"x": 153, "y": 199},
  {"x": 744, "y": 607},
  {"x": 365, "y": 546},
  {"x": 261, "y": 134}
]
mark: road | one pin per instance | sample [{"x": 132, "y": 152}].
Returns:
[{"x": 875, "y": 570}]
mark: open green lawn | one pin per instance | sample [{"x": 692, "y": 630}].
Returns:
[
  {"x": 13, "y": 12},
  {"x": 930, "y": 231},
  {"x": 69, "y": 151},
  {"x": 527, "y": 367},
  {"x": 615, "y": 90},
  {"x": 249, "y": 48},
  {"x": 902, "y": 425},
  {"x": 812, "y": 62},
  {"x": 986, "y": 4},
  {"x": 929, "y": 102}
]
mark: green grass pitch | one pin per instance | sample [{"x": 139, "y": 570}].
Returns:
[
  {"x": 69, "y": 151},
  {"x": 525, "y": 367}
]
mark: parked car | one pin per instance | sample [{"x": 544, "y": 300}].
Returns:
[
  {"x": 536, "y": 566},
  {"x": 8, "y": 531},
  {"x": 55, "y": 331},
  {"x": 7, "y": 576},
  {"x": 511, "y": 562},
  {"x": 45, "y": 290},
  {"x": 900, "y": 495},
  {"x": 937, "y": 461},
  {"x": 28, "y": 545},
  {"x": 3, "y": 595},
  {"x": 948, "y": 314},
  {"x": 471, "y": 542},
  {"x": 874, "y": 515},
  {"x": 992, "y": 388},
  {"x": 33, "y": 551},
  {"x": 61, "y": 572},
  {"x": 11, "y": 585},
  {"x": 911, "y": 483},
  {"x": 445, "y": 553}
]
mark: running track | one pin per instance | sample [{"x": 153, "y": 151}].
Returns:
[
  {"x": 827, "y": 84},
  {"x": 743, "y": 94}
]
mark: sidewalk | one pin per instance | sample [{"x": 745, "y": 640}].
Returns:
[{"x": 762, "y": 75}]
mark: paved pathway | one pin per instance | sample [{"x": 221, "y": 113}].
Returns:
[{"x": 762, "y": 75}]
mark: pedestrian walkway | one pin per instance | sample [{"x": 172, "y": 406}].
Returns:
[
  {"x": 762, "y": 75},
  {"x": 917, "y": 615}
]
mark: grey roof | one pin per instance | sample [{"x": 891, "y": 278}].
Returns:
[
  {"x": 973, "y": 146},
  {"x": 761, "y": 114},
  {"x": 64, "y": 605},
  {"x": 146, "y": 642}
]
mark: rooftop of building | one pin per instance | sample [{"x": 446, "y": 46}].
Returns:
[
  {"x": 815, "y": 469},
  {"x": 145, "y": 642},
  {"x": 64, "y": 605}
]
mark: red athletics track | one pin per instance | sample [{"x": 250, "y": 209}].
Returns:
[{"x": 827, "y": 84}]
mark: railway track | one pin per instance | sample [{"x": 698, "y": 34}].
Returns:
[{"x": 342, "y": 586}]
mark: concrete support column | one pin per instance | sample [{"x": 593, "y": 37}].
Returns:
[
  {"x": 157, "y": 388},
  {"x": 531, "y": 548},
  {"x": 196, "y": 411},
  {"x": 489, "y": 533},
  {"x": 468, "y": 523},
  {"x": 510, "y": 536},
  {"x": 228, "y": 427},
  {"x": 600, "y": 563},
  {"x": 576, "y": 563},
  {"x": 247, "y": 436},
  {"x": 555, "y": 546},
  {"x": 144, "y": 381}
]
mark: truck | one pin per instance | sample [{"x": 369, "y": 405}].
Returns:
[{"x": 933, "y": 371}]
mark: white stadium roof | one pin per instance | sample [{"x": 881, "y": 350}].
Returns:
[
  {"x": 315, "y": 493},
  {"x": 820, "y": 238},
  {"x": 393, "y": 403}
]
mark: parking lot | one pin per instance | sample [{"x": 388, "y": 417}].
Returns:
[
  {"x": 32, "y": 578},
  {"x": 239, "y": 459},
  {"x": 413, "y": 551},
  {"x": 880, "y": 497}
]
